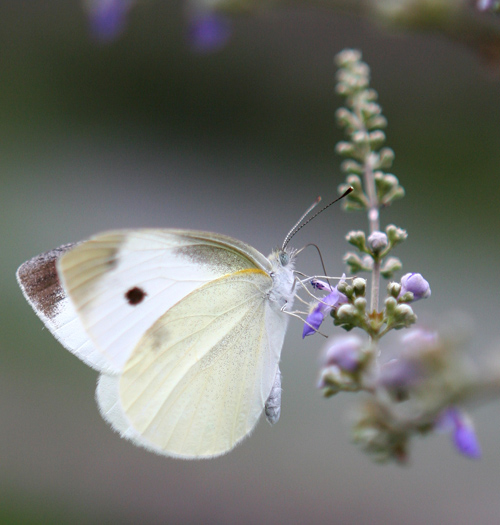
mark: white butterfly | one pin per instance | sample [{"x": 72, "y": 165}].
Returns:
[{"x": 185, "y": 327}]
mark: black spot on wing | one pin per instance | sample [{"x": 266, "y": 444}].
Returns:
[
  {"x": 135, "y": 295},
  {"x": 39, "y": 279}
]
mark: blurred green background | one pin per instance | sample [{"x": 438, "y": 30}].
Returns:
[{"x": 142, "y": 132}]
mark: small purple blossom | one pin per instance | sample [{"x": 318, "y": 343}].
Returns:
[
  {"x": 108, "y": 17},
  {"x": 345, "y": 352},
  {"x": 209, "y": 32},
  {"x": 462, "y": 431},
  {"x": 416, "y": 284},
  {"x": 323, "y": 307}
]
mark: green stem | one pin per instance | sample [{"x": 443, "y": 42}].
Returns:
[
  {"x": 374, "y": 221},
  {"x": 375, "y": 285}
]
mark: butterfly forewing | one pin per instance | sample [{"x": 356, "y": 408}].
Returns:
[{"x": 122, "y": 282}]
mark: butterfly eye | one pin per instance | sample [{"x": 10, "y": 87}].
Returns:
[
  {"x": 284, "y": 258},
  {"x": 135, "y": 296}
]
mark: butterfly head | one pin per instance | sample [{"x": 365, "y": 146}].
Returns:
[{"x": 280, "y": 259}]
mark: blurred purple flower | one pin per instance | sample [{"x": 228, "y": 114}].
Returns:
[
  {"x": 327, "y": 303},
  {"x": 346, "y": 353},
  {"x": 416, "y": 284},
  {"x": 209, "y": 32},
  {"x": 418, "y": 338},
  {"x": 485, "y": 5},
  {"x": 462, "y": 429},
  {"x": 108, "y": 17},
  {"x": 399, "y": 376}
]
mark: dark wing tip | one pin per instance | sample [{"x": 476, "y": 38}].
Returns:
[{"x": 40, "y": 281}]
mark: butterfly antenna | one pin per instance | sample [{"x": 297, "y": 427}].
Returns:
[{"x": 299, "y": 226}]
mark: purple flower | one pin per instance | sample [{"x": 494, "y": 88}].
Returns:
[
  {"x": 462, "y": 431},
  {"x": 346, "y": 352},
  {"x": 324, "y": 306},
  {"x": 416, "y": 284},
  {"x": 418, "y": 338},
  {"x": 108, "y": 17},
  {"x": 399, "y": 376},
  {"x": 208, "y": 32}
]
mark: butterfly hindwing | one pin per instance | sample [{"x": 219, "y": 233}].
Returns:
[{"x": 198, "y": 380}]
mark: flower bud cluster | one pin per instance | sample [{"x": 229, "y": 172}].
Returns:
[
  {"x": 376, "y": 248},
  {"x": 353, "y": 313},
  {"x": 363, "y": 121}
]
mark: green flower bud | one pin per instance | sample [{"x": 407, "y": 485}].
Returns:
[
  {"x": 390, "y": 266},
  {"x": 347, "y": 314},
  {"x": 376, "y": 139},
  {"x": 354, "y": 262},
  {"x": 407, "y": 297},
  {"x": 357, "y": 239},
  {"x": 404, "y": 316},
  {"x": 341, "y": 286},
  {"x": 395, "y": 194},
  {"x": 346, "y": 149},
  {"x": 351, "y": 166},
  {"x": 359, "y": 286},
  {"x": 360, "y": 304},
  {"x": 376, "y": 122},
  {"x": 348, "y": 290},
  {"x": 393, "y": 289},
  {"x": 355, "y": 182},
  {"x": 346, "y": 119},
  {"x": 360, "y": 137},
  {"x": 386, "y": 158},
  {"x": 347, "y": 57},
  {"x": 390, "y": 306},
  {"x": 396, "y": 235},
  {"x": 370, "y": 95}
]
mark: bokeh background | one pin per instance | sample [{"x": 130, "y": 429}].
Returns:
[{"x": 143, "y": 132}]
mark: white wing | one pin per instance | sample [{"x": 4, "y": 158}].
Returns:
[
  {"x": 122, "y": 282},
  {"x": 42, "y": 288},
  {"x": 198, "y": 380}
]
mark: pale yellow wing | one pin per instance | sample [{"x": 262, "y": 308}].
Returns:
[{"x": 197, "y": 382}]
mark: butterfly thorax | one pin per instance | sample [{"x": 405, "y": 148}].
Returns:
[{"x": 282, "y": 293}]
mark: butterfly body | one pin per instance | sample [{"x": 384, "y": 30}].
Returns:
[{"x": 185, "y": 327}]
